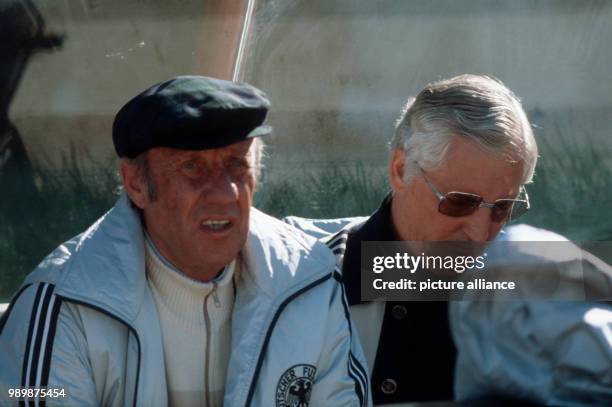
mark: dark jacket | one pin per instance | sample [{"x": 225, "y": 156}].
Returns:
[{"x": 415, "y": 358}]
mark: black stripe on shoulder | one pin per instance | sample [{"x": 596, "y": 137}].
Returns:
[
  {"x": 339, "y": 250},
  {"x": 360, "y": 368},
  {"x": 7, "y": 313},
  {"x": 49, "y": 342},
  {"x": 341, "y": 240},
  {"x": 358, "y": 387},
  {"x": 39, "y": 335},
  {"x": 361, "y": 380},
  {"x": 26, "y": 357},
  {"x": 342, "y": 234},
  {"x": 264, "y": 347},
  {"x": 359, "y": 372}
]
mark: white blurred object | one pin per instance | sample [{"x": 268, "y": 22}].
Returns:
[{"x": 552, "y": 352}]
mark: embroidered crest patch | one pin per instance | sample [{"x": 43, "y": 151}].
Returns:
[{"x": 295, "y": 385}]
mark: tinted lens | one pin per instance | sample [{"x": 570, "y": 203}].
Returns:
[
  {"x": 519, "y": 209},
  {"x": 457, "y": 204},
  {"x": 502, "y": 210}
]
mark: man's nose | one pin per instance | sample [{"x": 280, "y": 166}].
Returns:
[
  {"x": 220, "y": 188},
  {"x": 478, "y": 225}
]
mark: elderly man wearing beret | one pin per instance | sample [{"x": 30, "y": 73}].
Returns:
[{"x": 183, "y": 294}]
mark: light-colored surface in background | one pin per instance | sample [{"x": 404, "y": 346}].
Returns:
[
  {"x": 337, "y": 72},
  {"x": 112, "y": 51}
]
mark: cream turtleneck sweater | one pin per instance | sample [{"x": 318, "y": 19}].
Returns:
[{"x": 195, "y": 320}]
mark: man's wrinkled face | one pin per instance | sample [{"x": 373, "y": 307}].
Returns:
[
  {"x": 465, "y": 168},
  {"x": 200, "y": 217}
]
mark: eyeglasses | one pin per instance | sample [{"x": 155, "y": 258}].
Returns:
[{"x": 457, "y": 204}]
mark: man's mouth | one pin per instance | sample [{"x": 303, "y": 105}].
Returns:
[{"x": 216, "y": 225}]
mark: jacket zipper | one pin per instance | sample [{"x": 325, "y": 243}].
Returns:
[{"x": 208, "y": 338}]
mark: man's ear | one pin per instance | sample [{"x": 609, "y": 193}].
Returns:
[
  {"x": 133, "y": 183},
  {"x": 397, "y": 165}
]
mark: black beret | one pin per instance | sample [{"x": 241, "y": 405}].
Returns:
[{"x": 190, "y": 113}]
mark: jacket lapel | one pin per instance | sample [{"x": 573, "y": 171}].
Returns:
[{"x": 107, "y": 268}]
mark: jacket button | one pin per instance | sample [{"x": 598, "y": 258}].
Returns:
[
  {"x": 388, "y": 386},
  {"x": 399, "y": 312}
]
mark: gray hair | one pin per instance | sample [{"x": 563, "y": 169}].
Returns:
[
  {"x": 256, "y": 153},
  {"x": 141, "y": 162},
  {"x": 476, "y": 107}
]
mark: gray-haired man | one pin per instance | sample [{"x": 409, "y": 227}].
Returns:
[{"x": 462, "y": 152}]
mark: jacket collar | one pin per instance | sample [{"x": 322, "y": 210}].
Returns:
[
  {"x": 106, "y": 266},
  {"x": 279, "y": 257},
  {"x": 377, "y": 228}
]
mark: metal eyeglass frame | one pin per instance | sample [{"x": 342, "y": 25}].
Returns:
[{"x": 483, "y": 203}]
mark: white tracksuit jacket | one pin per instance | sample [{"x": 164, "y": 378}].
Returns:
[{"x": 85, "y": 321}]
